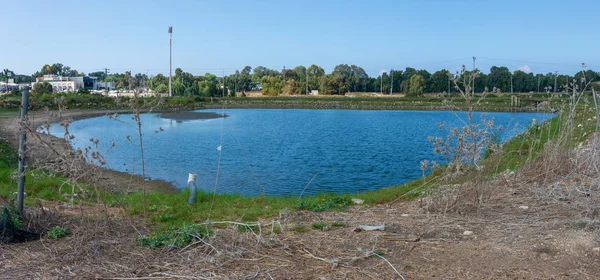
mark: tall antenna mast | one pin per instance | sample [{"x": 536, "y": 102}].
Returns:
[{"x": 170, "y": 59}]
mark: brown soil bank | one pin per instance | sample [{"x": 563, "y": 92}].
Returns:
[{"x": 43, "y": 149}]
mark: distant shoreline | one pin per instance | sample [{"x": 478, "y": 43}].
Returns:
[{"x": 187, "y": 116}]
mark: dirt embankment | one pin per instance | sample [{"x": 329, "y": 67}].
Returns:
[{"x": 43, "y": 148}]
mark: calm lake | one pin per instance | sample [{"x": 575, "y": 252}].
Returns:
[{"x": 278, "y": 152}]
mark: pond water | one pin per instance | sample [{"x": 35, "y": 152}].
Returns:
[{"x": 279, "y": 151}]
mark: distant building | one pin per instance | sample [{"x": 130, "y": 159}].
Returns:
[
  {"x": 105, "y": 86},
  {"x": 314, "y": 92},
  {"x": 5, "y": 87},
  {"x": 64, "y": 84}
]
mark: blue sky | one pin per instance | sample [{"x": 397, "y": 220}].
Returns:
[{"x": 217, "y": 36}]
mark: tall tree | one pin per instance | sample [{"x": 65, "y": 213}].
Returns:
[
  {"x": 417, "y": 85},
  {"x": 440, "y": 81}
]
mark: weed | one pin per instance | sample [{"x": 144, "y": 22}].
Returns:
[
  {"x": 299, "y": 229},
  {"x": 338, "y": 224},
  {"x": 247, "y": 228},
  {"x": 57, "y": 232},
  {"x": 320, "y": 226},
  {"x": 339, "y": 202},
  {"x": 176, "y": 237}
]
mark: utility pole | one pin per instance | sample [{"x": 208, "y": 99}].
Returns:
[
  {"x": 306, "y": 81},
  {"x": 555, "y": 76},
  {"x": 392, "y": 83},
  {"x": 381, "y": 88},
  {"x": 170, "y": 58},
  {"x": 511, "y": 86},
  {"x": 105, "y": 73},
  {"x": 474, "y": 76},
  {"x": 538, "y": 83},
  {"x": 22, "y": 151}
]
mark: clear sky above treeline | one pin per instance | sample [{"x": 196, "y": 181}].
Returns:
[{"x": 222, "y": 36}]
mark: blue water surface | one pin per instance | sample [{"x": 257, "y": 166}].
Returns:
[{"x": 278, "y": 151}]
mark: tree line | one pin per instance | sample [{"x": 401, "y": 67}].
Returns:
[{"x": 343, "y": 79}]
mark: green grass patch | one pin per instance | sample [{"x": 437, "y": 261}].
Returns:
[
  {"x": 338, "y": 224},
  {"x": 320, "y": 225},
  {"x": 324, "y": 203},
  {"x": 177, "y": 237},
  {"x": 299, "y": 229},
  {"x": 57, "y": 232}
]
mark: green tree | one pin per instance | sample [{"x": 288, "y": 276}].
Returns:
[
  {"x": 162, "y": 88},
  {"x": 315, "y": 73},
  {"x": 158, "y": 80},
  {"x": 300, "y": 73},
  {"x": 416, "y": 85},
  {"x": 440, "y": 81},
  {"x": 291, "y": 87},
  {"x": 41, "y": 88},
  {"x": 245, "y": 79},
  {"x": 499, "y": 78},
  {"x": 271, "y": 85}
]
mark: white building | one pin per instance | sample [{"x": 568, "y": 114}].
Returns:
[{"x": 64, "y": 84}]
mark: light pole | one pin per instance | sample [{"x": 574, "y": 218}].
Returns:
[
  {"x": 474, "y": 76},
  {"x": 511, "y": 83},
  {"x": 306, "y": 74},
  {"x": 555, "y": 76},
  {"x": 170, "y": 58},
  {"x": 392, "y": 83}
]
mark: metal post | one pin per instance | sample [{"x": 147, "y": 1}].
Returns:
[{"x": 22, "y": 151}]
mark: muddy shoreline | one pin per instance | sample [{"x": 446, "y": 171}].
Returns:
[{"x": 38, "y": 153}]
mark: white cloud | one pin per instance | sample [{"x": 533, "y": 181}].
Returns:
[
  {"x": 382, "y": 71},
  {"x": 525, "y": 68}
]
